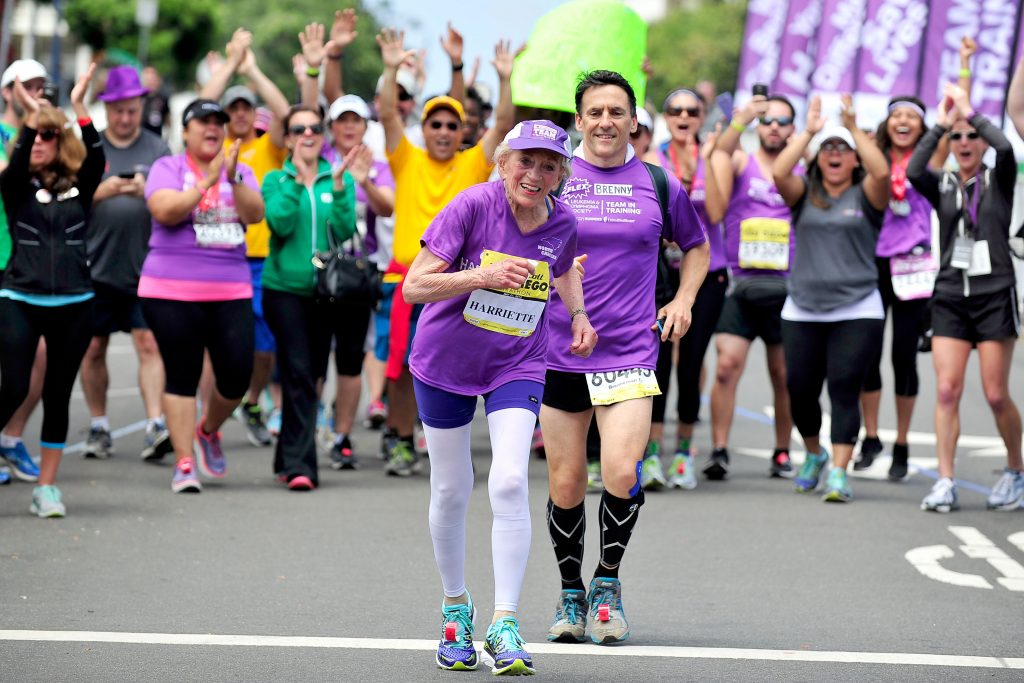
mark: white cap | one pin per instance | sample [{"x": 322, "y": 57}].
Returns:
[
  {"x": 832, "y": 133},
  {"x": 643, "y": 118},
  {"x": 23, "y": 69},
  {"x": 404, "y": 78},
  {"x": 352, "y": 103}
]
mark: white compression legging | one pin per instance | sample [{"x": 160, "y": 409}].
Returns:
[{"x": 451, "y": 483}]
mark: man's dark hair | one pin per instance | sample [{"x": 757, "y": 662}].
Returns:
[
  {"x": 597, "y": 78},
  {"x": 785, "y": 101},
  {"x": 472, "y": 94}
]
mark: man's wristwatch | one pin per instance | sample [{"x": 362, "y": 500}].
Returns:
[{"x": 236, "y": 179}]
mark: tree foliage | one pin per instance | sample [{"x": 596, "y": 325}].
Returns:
[
  {"x": 183, "y": 33},
  {"x": 691, "y": 45}
]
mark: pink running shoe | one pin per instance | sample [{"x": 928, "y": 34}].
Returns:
[{"x": 209, "y": 454}]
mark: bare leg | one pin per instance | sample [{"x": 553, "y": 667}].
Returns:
[
  {"x": 950, "y": 359},
  {"x": 870, "y": 402},
  {"x": 566, "y": 454},
  {"x": 402, "y": 403},
  {"x": 151, "y": 371},
  {"x": 783, "y": 414},
  {"x": 94, "y": 376},
  {"x": 732, "y": 357},
  {"x": 346, "y": 402},
  {"x": 904, "y": 412},
  {"x": 180, "y": 412},
  {"x": 15, "y": 427},
  {"x": 995, "y": 358},
  {"x": 262, "y": 369},
  {"x": 50, "y": 461},
  {"x": 624, "y": 430}
]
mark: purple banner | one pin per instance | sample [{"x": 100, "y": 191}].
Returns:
[
  {"x": 994, "y": 61},
  {"x": 759, "y": 58},
  {"x": 798, "y": 47},
  {"x": 891, "y": 43},
  {"x": 838, "y": 43},
  {"x": 948, "y": 22}
]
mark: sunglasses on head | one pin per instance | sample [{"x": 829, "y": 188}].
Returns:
[
  {"x": 692, "y": 112},
  {"x": 47, "y": 134},
  {"x": 972, "y": 135},
  {"x": 451, "y": 125},
  {"x": 299, "y": 129},
  {"x": 781, "y": 120},
  {"x": 835, "y": 147},
  {"x": 404, "y": 96}
]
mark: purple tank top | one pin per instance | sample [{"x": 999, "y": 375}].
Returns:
[
  {"x": 900, "y": 234},
  {"x": 696, "y": 193},
  {"x": 754, "y": 197}
]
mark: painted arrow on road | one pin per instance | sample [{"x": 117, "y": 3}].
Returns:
[{"x": 927, "y": 560}]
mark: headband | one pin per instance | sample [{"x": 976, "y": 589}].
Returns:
[
  {"x": 681, "y": 91},
  {"x": 906, "y": 103}
]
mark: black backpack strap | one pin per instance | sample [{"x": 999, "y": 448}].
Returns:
[{"x": 660, "y": 179}]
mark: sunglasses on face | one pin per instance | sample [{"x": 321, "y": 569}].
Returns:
[
  {"x": 835, "y": 147},
  {"x": 452, "y": 126},
  {"x": 404, "y": 96},
  {"x": 299, "y": 129},
  {"x": 48, "y": 134},
  {"x": 781, "y": 120},
  {"x": 972, "y": 135},
  {"x": 692, "y": 112}
]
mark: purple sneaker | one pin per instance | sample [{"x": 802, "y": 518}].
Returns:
[
  {"x": 209, "y": 454},
  {"x": 185, "y": 479}
]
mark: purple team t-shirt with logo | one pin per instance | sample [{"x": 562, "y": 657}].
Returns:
[
  {"x": 754, "y": 196},
  {"x": 173, "y": 250},
  {"x": 900, "y": 234},
  {"x": 619, "y": 228},
  {"x": 450, "y": 353}
]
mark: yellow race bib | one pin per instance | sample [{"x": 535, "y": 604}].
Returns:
[
  {"x": 515, "y": 312},
  {"x": 616, "y": 386},
  {"x": 764, "y": 244}
]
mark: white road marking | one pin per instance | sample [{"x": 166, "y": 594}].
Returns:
[
  {"x": 926, "y": 560},
  {"x": 1017, "y": 539},
  {"x": 979, "y": 547},
  {"x": 892, "y": 658}
]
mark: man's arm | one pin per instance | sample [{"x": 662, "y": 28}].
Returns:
[
  {"x": 343, "y": 32},
  {"x": 452, "y": 44},
  {"x": 275, "y": 100},
  {"x": 392, "y": 54},
  {"x": 240, "y": 43},
  {"x": 505, "y": 112}
]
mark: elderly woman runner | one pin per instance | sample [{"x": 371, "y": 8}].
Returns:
[{"x": 491, "y": 258}]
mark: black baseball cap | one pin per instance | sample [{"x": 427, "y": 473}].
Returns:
[{"x": 200, "y": 109}]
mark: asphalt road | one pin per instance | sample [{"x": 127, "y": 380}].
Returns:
[{"x": 736, "y": 580}]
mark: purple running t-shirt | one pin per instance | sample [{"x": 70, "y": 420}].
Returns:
[
  {"x": 619, "y": 227},
  {"x": 757, "y": 205},
  {"x": 697, "y": 195},
  {"x": 900, "y": 234},
  {"x": 450, "y": 352},
  {"x": 205, "y": 246}
]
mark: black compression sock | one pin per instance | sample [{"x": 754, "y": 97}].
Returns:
[
  {"x": 617, "y": 517},
  {"x": 567, "y": 528}
]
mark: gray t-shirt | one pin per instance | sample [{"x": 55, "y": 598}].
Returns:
[
  {"x": 834, "y": 263},
  {"x": 119, "y": 227}
]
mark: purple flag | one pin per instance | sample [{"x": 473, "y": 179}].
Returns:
[
  {"x": 759, "y": 58},
  {"x": 948, "y": 22},
  {"x": 838, "y": 43},
  {"x": 891, "y": 44},
  {"x": 798, "y": 48},
  {"x": 994, "y": 61}
]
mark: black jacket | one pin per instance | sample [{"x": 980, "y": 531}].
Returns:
[
  {"x": 49, "y": 255},
  {"x": 994, "y": 208}
]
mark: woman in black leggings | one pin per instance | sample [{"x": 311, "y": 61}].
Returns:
[
  {"x": 832, "y": 319},
  {"x": 47, "y": 292}
]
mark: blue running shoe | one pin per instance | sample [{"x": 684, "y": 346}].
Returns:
[
  {"x": 21, "y": 462},
  {"x": 504, "y": 649},
  {"x": 209, "y": 454},
  {"x": 455, "y": 652},
  {"x": 810, "y": 472},
  {"x": 837, "y": 487},
  {"x": 570, "y": 624},
  {"x": 607, "y": 619},
  {"x": 5, "y": 476}
]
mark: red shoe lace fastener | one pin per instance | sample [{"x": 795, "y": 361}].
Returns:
[
  {"x": 602, "y": 613},
  {"x": 451, "y": 631}
]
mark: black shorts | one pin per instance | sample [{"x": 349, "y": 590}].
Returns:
[
  {"x": 115, "y": 311},
  {"x": 750, "y": 319},
  {"x": 566, "y": 391},
  {"x": 978, "y": 318}
]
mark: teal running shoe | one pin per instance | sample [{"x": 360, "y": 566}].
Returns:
[
  {"x": 608, "y": 621},
  {"x": 455, "y": 652},
  {"x": 837, "y": 487},
  {"x": 810, "y": 472},
  {"x": 570, "y": 624},
  {"x": 46, "y": 502},
  {"x": 682, "y": 474},
  {"x": 504, "y": 649}
]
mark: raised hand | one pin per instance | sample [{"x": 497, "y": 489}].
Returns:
[
  {"x": 241, "y": 41},
  {"x": 815, "y": 122},
  {"x": 647, "y": 68},
  {"x": 312, "y": 41},
  {"x": 452, "y": 44},
  {"x": 30, "y": 104},
  {"x": 504, "y": 58},
  {"x": 708, "y": 148},
  {"x": 231, "y": 158},
  {"x": 473, "y": 72},
  {"x": 967, "y": 49},
  {"x": 78, "y": 92},
  {"x": 961, "y": 101},
  {"x": 847, "y": 114},
  {"x": 343, "y": 31},
  {"x": 212, "y": 176},
  {"x": 360, "y": 163},
  {"x": 392, "y": 52}
]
